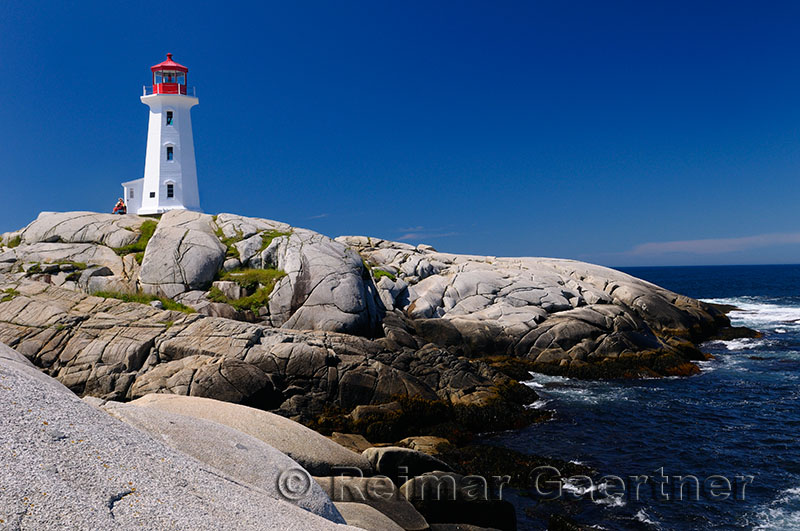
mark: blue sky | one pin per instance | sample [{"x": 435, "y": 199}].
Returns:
[{"x": 628, "y": 133}]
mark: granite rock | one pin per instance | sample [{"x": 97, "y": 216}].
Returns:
[{"x": 66, "y": 464}]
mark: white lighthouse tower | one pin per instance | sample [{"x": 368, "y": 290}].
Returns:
[{"x": 170, "y": 172}]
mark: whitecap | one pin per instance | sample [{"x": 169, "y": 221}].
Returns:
[
  {"x": 756, "y": 313},
  {"x": 539, "y": 404},
  {"x": 782, "y": 513},
  {"x": 579, "y": 490},
  {"x": 645, "y": 518}
]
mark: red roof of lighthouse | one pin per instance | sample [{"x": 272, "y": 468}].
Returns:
[{"x": 169, "y": 64}]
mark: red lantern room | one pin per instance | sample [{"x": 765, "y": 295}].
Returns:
[{"x": 169, "y": 77}]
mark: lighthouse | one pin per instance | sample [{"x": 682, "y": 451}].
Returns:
[{"x": 170, "y": 172}]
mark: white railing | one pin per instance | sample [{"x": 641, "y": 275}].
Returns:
[{"x": 148, "y": 90}]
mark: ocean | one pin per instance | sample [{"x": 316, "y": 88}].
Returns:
[{"x": 738, "y": 421}]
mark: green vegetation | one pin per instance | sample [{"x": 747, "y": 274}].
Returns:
[
  {"x": 35, "y": 268},
  {"x": 230, "y": 250},
  {"x": 260, "y": 281},
  {"x": 8, "y": 294},
  {"x": 75, "y": 265},
  {"x": 250, "y": 279},
  {"x": 15, "y": 241},
  {"x": 146, "y": 232},
  {"x": 268, "y": 235},
  {"x": 143, "y": 298},
  {"x": 378, "y": 273},
  {"x": 139, "y": 257}
]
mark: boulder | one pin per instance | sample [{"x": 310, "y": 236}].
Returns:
[
  {"x": 351, "y": 441},
  {"x": 220, "y": 378},
  {"x": 324, "y": 288},
  {"x": 364, "y": 516},
  {"x": 377, "y": 492},
  {"x": 403, "y": 463},
  {"x": 69, "y": 465},
  {"x": 184, "y": 254},
  {"x": 83, "y": 227},
  {"x": 426, "y": 444},
  {"x": 240, "y": 456},
  {"x": 53, "y": 253},
  {"x": 316, "y": 453},
  {"x": 231, "y": 290}
]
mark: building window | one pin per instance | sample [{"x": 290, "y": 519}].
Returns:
[
  {"x": 130, "y": 193},
  {"x": 169, "y": 117},
  {"x": 152, "y": 194},
  {"x": 169, "y": 153},
  {"x": 170, "y": 191}
]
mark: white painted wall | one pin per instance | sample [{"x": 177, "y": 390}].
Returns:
[
  {"x": 182, "y": 169},
  {"x": 132, "y": 192}
]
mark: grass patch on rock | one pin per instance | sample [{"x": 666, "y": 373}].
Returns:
[
  {"x": 260, "y": 282},
  {"x": 8, "y": 294},
  {"x": 15, "y": 241},
  {"x": 79, "y": 266},
  {"x": 143, "y": 298},
  {"x": 269, "y": 235},
  {"x": 230, "y": 249},
  {"x": 251, "y": 279},
  {"x": 145, "y": 233},
  {"x": 377, "y": 274}
]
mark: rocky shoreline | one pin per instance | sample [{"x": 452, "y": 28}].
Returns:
[{"x": 367, "y": 341}]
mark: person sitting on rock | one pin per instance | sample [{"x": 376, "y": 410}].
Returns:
[{"x": 120, "y": 207}]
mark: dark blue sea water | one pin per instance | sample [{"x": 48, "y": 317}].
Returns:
[{"x": 739, "y": 417}]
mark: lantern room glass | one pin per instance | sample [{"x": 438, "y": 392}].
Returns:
[{"x": 167, "y": 76}]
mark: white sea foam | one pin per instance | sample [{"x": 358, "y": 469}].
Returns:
[
  {"x": 645, "y": 518},
  {"x": 743, "y": 344},
  {"x": 539, "y": 381},
  {"x": 539, "y": 404},
  {"x": 781, "y": 513},
  {"x": 761, "y": 315},
  {"x": 597, "y": 493}
]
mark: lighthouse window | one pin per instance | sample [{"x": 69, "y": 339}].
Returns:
[
  {"x": 169, "y": 153},
  {"x": 181, "y": 79},
  {"x": 169, "y": 117},
  {"x": 170, "y": 190}
]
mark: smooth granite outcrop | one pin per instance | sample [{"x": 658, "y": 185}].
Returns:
[
  {"x": 240, "y": 456},
  {"x": 67, "y": 465},
  {"x": 317, "y": 454}
]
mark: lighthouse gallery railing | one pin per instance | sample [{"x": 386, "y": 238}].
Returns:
[{"x": 172, "y": 89}]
